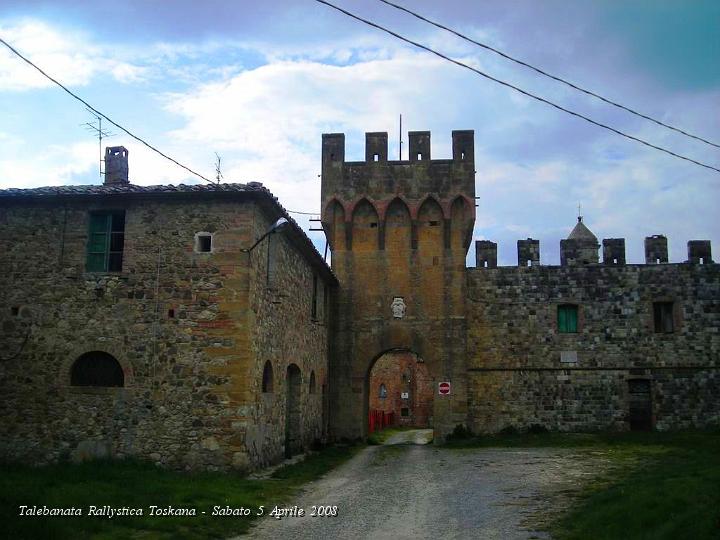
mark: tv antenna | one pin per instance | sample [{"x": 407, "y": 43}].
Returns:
[
  {"x": 218, "y": 172},
  {"x": 96, "y": 128}
]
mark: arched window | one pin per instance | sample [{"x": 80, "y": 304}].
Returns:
[
  {"x": 312, "y": 382},
  {"x": 97, "y": 368},
  {"x": 382, "y": 393},
  {"x": 267, "y": 380}
]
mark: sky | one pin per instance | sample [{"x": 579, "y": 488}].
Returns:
[{"x": 259, "y": 82}]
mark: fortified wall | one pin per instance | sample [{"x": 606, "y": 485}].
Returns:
[{"x": 594, "y": 346}]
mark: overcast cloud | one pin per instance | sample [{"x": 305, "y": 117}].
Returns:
[{"x": 259, "y": 84}]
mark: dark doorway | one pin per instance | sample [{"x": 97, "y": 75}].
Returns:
[
  {"x": 640, "y": 401},
  {"x": 97, "y": 368},
  {"x": 293, "y": 432}
]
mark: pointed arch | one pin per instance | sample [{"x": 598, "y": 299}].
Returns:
[
  {"x": 431, "y": 226},
  {"x": 365, "y": 224},
  {"x": 334, "y": 221},
  {"x": 398, "y": 226},
  {"x": 460, "y": 222}
]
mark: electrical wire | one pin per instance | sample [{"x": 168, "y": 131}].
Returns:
[
  {"x": 93, "y": 109},
  {"x": 516, "y": 88},
  {"x": 546, "y": 74}
]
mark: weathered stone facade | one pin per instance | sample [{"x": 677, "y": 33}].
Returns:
[
  {"x": 524, "y": 371},
  {"x": 191, "y": 330},
  {"x": 399, "y": 232},
  {"x": 227, "y": 342},
  {"x": 399, "y": 229}
]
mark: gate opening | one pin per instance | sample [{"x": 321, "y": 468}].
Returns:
[{"x": 401, "y": 392}]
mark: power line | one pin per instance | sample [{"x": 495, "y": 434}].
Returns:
[
  {"x": 546, "y": 74},
  {"x": 303, "y": 213},
  {"x": 93, "y": 109},
  {"x": 517, "y": 89}
]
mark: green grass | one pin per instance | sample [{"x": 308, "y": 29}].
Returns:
[
  {"x": 379, "y": 437},
  {"x": 659, "y": 485},
  {"x": 138, "y": 485}
]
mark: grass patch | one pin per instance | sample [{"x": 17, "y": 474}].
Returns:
[
  {"x": 137, "y": 484},
  {"x": 660, "y": 485},
  {"x": 380, "y": 437}
]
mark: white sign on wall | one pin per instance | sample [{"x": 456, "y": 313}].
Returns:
[{"x": 405, "y": 395}]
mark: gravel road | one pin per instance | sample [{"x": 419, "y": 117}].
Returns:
[{"x": 422, "y": 491}]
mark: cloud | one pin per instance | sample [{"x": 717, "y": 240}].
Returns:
[{"x": 68, "y": 56}]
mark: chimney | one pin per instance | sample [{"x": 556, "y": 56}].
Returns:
[{"x": 116, "y": 165}]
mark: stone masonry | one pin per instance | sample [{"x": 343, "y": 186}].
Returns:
[{"x": 191, "y": 330}]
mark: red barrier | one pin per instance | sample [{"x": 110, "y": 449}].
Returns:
[{"x": 378, "y": 420}]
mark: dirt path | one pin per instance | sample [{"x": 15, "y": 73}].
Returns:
[{"x": 406, "y": 491}]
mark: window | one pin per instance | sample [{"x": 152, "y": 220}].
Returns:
[
  {"x": 382, "y": 392},
  {"x": 97, "y": 369},
  {"x": 567, "y": 319},
  {"x": 312, "y": 382},
  {"x": 105, "y": 241},
  {"x": 663, "y": 317},
  {"x": 404, "y": 411},
  {"x": 203, "y": 242},
  {"x": 267, "y": 379}
]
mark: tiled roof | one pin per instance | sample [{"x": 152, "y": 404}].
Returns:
[
  {"x": 581, "y": 232},
  {"x": 134, "y": 189},
  {"x": 117, "y": 189}
]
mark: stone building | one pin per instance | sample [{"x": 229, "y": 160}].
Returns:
[
  {"x": 192, "y": 326},
  {"x": 586, "y": 345},
  {"x": 136, "y": 322}
]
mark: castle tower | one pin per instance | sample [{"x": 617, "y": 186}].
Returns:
[
  {"x": 580, "y": 247},
  {"x": 399, "y": 232}
]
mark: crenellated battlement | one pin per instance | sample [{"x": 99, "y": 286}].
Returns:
[
  {"x": 437, "y": 193},
  {"x": 380, "y": 178},
  {"x": 656, "y": 252}
]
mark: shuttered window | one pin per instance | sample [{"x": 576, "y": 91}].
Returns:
[
  {"x": 567, "y": 318},
  {"x": 663, "y": 317},
  {"x": 106, "y": 238}
]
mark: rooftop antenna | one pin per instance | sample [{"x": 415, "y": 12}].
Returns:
[
  {"x": 97, "y": 129},
  {"x": 218, "y": 172},
  {"x": 400, "y": 147}
]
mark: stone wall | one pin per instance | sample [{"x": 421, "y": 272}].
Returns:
[
  {"x": 189, "y": 330},
  {"x": 523, "y": 371}
]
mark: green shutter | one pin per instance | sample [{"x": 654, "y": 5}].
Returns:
[
  {"x": 572, "y": 318},
  {"x": 567, "y": 319},
  {"x": 105, "y": 242}
]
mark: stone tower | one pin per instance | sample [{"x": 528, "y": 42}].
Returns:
[{"x": 399, "y": 232}]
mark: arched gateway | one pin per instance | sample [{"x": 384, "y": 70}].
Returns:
[{"x": 399, "y": 256}]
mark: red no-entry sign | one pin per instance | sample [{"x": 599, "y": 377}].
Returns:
[{"x": 444, "y": 388}]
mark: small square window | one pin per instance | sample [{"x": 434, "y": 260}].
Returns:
[
  {"x": 567, "y": 318},
  {"x": 203, "y": 243},
  {"x": 404, "y": 411},
  {"x": 663, "y": 317}
]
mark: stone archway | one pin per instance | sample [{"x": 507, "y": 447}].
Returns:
[
  {"x": 293, "y": 418},
  {"x": 400, "y": 391}
]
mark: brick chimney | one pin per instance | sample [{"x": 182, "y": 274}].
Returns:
[{"x": 116, "y": 165}]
